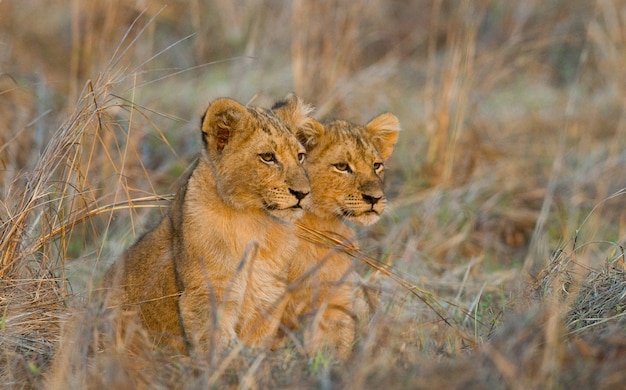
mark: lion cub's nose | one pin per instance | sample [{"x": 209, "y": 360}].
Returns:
[
  {"x": 298, "y": 194},
  {"x": 371, "y": 199}
]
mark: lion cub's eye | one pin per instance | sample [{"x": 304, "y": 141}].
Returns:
[
  {"x": 268, "y": 157},
  {"x": 301, "y": 157},
  {"x": 378, "y": 166},
  {"x": 343, "y": 167}
]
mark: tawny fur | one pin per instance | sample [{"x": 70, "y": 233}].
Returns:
[
  {"x": 215, "y": 267},
  {"x": 345, "y": 165}
]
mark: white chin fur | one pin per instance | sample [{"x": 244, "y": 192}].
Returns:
[
  {"x": 365, "y": 219},
  {"x": 289, "y": 215}
]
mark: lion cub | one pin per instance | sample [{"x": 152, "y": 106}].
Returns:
[
  {"x": 214, "y": 268},
  {"x": 346, "y": 169}
]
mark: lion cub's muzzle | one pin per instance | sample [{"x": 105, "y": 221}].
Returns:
[
  {"x": 299, "y": 188},
  {"x": 374, "y": 204},
  {"x": 373, "y": 196},
  {"x": 365, "y": 206},
  {"x": 288, "y": 204},
  {"x": 300, "y": 195},
  {"x": 371, "y": 200}
]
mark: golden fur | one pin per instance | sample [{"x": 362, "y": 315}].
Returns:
[
  {"x": 214, "y": 268},
  {"x": 345, "y": 166}
]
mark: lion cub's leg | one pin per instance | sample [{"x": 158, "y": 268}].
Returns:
[
  {"x": 259, "y": 328},
  {"x": 334, "y": 326},
  {"x": 340, "y": 306},
  {"x": 210, "y": 308},
  {"x": 247, "y": 313},
  {"x": 207, "y": 324},
  {"x": 321, "y": 302}
]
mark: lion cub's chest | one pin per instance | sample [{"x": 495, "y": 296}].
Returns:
[{"x": 225, "y": 237}]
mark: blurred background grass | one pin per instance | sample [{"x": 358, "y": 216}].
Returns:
[{"x": 502, "y": 182}]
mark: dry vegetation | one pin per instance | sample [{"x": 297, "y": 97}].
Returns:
[{"x": 502, "y": 253}]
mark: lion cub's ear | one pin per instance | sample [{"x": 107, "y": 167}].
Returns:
[
  {"x": 310, "y": 134},
  {"x": 221, "y": 119},
  {"x": 383, "y": 132},
  {"x": 295, "y": 113}
]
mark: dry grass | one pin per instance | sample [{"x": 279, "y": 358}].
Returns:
[{"x": 501, "y": 260}]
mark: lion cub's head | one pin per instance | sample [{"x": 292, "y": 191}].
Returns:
[
  {"x": 346, "y": 167},
  {"x": 257, "y": 161}
]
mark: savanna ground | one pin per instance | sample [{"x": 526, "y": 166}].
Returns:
[{"x": 507, "y": 224}]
